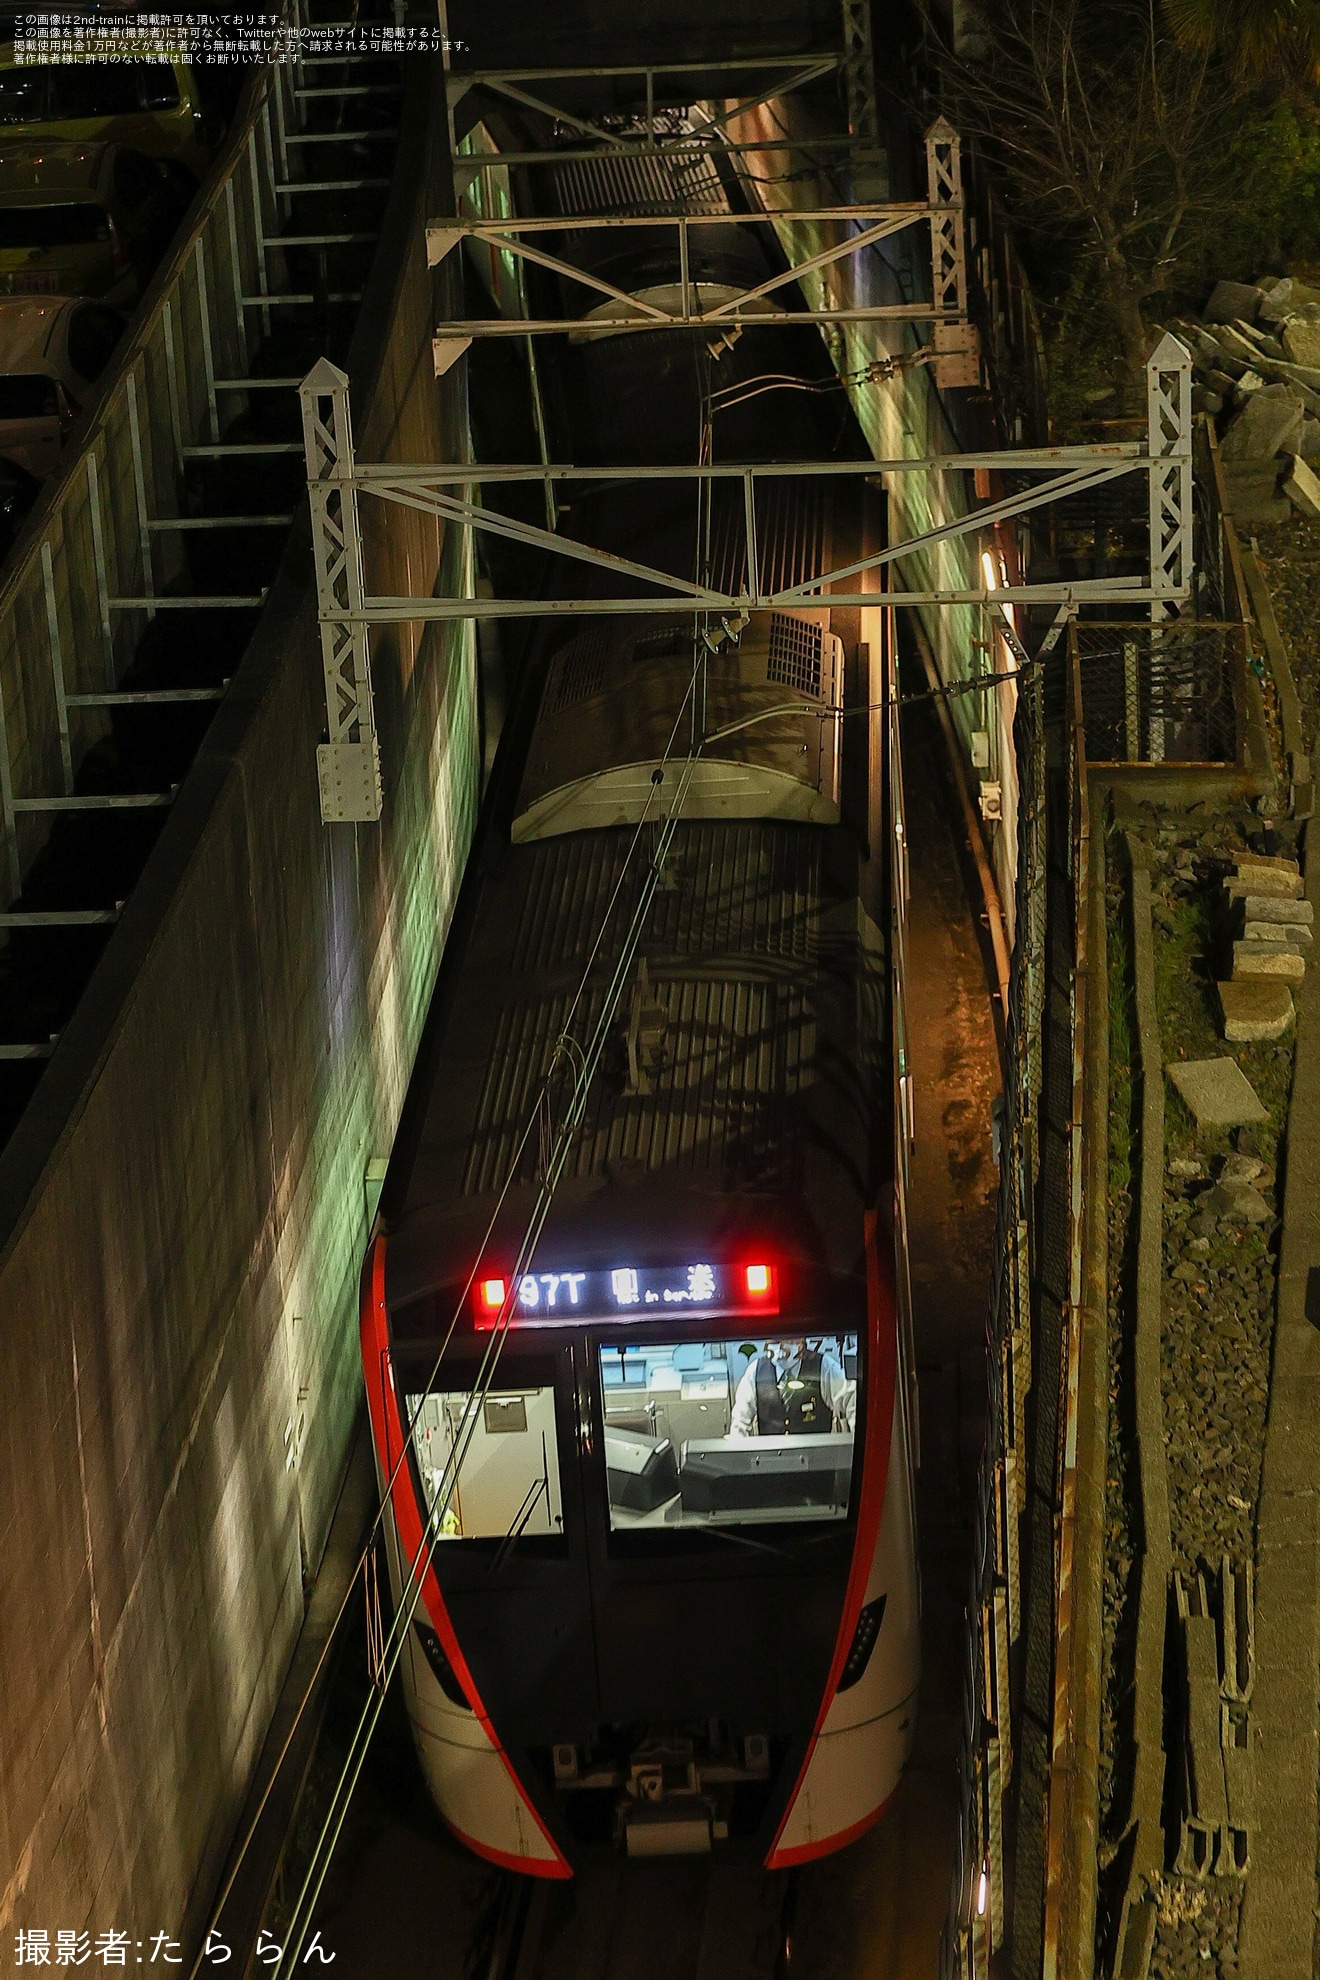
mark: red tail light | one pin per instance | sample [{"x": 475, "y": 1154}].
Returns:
[
  {"x": 492, "y": 1294},
  {"x": 760, "y": 1281}
]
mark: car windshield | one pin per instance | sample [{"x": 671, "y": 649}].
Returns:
[
  {"x": 28, "y": 395},
  {"x": 503, "y": 1444},
  {"x": 53, "y": 226},
  {"x": 24, "y": 94},
  {"x": 67, "y": 92},
  {"x": 108, "y": 89},
  {"x": 730, "y": 1432}
]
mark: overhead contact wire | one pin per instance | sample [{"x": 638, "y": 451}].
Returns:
[{"x": 423, "y": 1559}]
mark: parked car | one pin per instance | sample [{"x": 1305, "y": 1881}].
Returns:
[
  {"x": 83, "y": 219},
  {"x": 155, "y": 107},
  {"x": 52, "y": 351}
]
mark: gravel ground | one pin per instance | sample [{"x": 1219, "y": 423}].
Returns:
[
  {"x": 1122, "y": 1508},
  {"x": 1290, "y": 558},
  {"x": 1217, "y": 1310}
]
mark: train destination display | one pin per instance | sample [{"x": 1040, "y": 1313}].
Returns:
[{"x": 627, "y": 1292}]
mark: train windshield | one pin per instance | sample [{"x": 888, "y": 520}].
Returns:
[
  {"x": 489, "y": 1464},
  {"x": 729, "y": 1432}
]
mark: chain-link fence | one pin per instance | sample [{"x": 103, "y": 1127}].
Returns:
[
  {"x": 999, "y": 1910},
  {"x": 1162, "y": 693}
]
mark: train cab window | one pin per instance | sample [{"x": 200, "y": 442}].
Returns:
[
  {"x": 728, "y": 1432},
  {"x": 504, "y": 1445}
]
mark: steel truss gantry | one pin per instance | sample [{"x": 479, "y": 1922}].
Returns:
[
  {"x": 655, "y": 136},
  {"x": 337, "y": 481},
  {"x": 703, "y": 134},
  {"x": 690, "y": 309},
  {"x": 348, "y": 762}
]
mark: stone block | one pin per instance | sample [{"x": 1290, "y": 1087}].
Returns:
[
  {"x": 1301, "y": 337},
  {"x": 1217, "y": 1092},
  {"x": 1230, "y": 299},
  {"x": 1273, "y": 862},
  {"x": 1240, "y": 1202},
  {"x": 1264, "y": 875},
  {"x": 1302, "y": 488},
  {"x": 1295, "y": 934},
  {"x": 1270, "y": 423},
  {"x": 1277, "y": 907},
  {"x": 1302, "y": 380},
  {"x": 1309, "y": 446},
  {"x": 1261, "y": 340},
  {"x": 1252, "y": 496},
  {"x": 1196, "y": 337},
  {"x": 1249, "y": 382},
  {"x": 1267, "y": 959},
  {"x": 1276, "y": 302},
  {"x": 1254, "y": 1013},
  {"x": 1238, "y": 346},
  {"x": 1238, "y": 1168}
]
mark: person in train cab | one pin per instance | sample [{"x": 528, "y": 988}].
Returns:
[
  {"x": 818, "y": 1397},
  {"x": 758, "y": 1405},
  {"x": 793, "y": 1389}
]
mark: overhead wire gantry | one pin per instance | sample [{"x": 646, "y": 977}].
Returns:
[{"x": 676, "y": 119}]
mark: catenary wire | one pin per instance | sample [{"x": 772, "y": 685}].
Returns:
[{"x": 421, "y": 1563}]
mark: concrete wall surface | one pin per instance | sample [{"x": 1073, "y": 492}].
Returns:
[{"x": 182, "y": 1210}]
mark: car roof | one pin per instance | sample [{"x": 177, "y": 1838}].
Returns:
[
  {"x": 49, "y": 165},
  {"x": 27, "y": 324}
]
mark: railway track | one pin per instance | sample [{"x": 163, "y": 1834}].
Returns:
[{"x": 685, "y": 1919}]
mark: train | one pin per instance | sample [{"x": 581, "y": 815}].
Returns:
[{"x": 642, "y": 1396}]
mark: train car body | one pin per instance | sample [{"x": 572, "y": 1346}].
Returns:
[{"x": 670, "y": 1603}]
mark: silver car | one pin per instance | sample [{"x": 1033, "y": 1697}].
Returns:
[{"x": 52, "y": 351}]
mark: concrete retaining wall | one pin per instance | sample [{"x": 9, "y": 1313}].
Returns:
[{"x": 182, "y": 1213}]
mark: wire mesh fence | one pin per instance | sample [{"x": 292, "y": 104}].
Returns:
[
  {"x": 1166, "y": 692},
  {"x": 998, "y": 1910}
]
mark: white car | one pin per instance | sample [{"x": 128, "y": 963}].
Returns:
[{"x": 52, "y": 350}]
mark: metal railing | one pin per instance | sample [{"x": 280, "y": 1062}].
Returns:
[{"x": 103, "y": 556}]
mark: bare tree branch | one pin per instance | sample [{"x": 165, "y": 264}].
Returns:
[{"x": 1110, "y": 139}]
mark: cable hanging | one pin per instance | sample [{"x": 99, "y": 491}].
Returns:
[{"x": 587, "y": 1061}]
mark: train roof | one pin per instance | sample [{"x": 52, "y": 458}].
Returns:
[{"x": 745, "y": 1072}]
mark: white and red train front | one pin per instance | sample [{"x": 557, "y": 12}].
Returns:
[{"x": 668, "y": 1594}]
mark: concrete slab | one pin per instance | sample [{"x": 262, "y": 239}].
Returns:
[
  {"x": 1276, "y": 959},
  {"x": 1259, "y": 875},
  {"x": 1302, "y": 488},
  {"x": 1217, "y": 1092},
  {"x": 1277, "y": 907},
  {"x": 1295, "y": 933},
  {"x": 1279, "y": 1899},
  {"x": 1254, "y": 1012}
]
